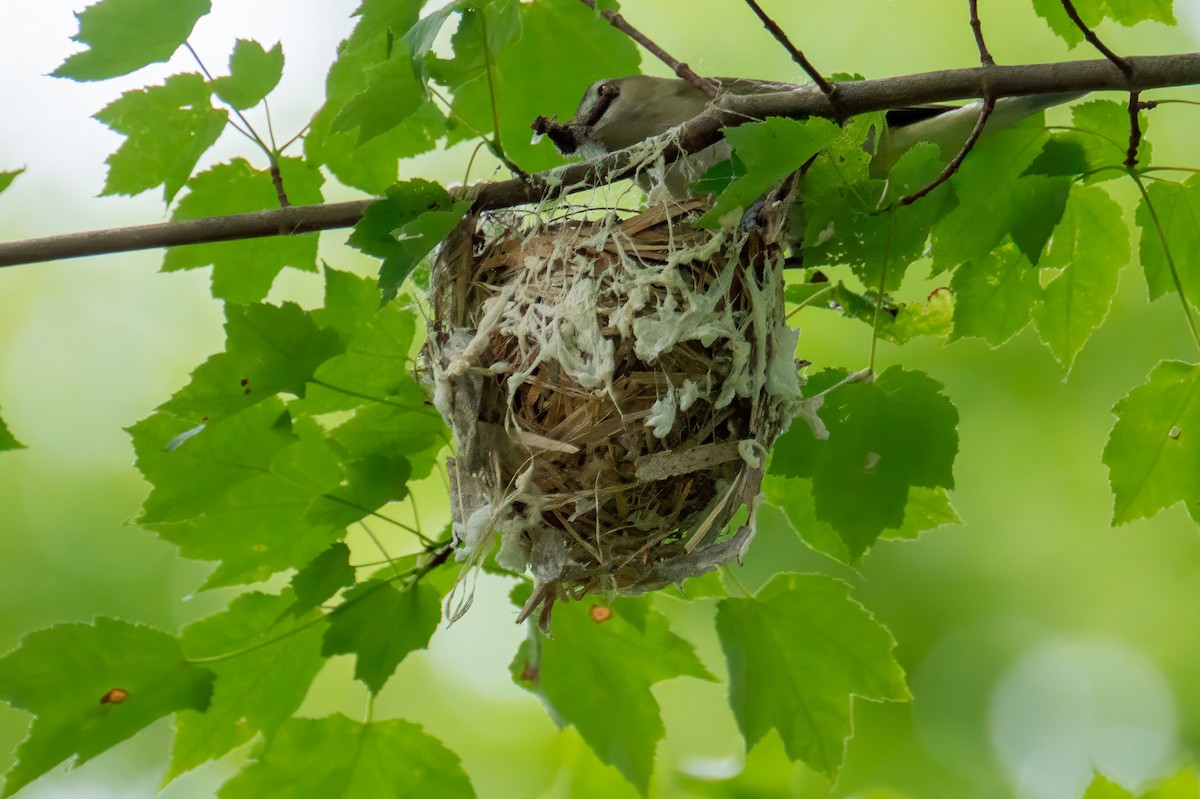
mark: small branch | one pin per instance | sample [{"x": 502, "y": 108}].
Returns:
[
  {"x": 281, "y": 222},
  {"x": 986, "y": 111},
  {"x": 681, "y": 69},
  {"x": 277, "y": 180},
  {"x": 1135, "y": 130},
  {"x": 985, "y": 58},
  {"x": 1090, "y": 35},
  {"x": 799, "y": 102},
  {"x": 825, "y": 86}
]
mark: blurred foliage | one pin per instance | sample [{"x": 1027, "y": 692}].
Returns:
[{"x": 306, "y": 447}]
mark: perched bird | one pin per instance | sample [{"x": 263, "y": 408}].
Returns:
[{"x": 620, "y": 112}]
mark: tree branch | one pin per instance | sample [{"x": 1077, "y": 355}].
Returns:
[
  {"x": 681, "y": 69},
  {"x": 855, "y": 97},
  {"x": 1094, "y": 40},
  {"x": 797, "y": 55}
]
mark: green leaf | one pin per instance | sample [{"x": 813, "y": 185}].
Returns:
[
  {"x": 846, "y": 222},
  {"x": 1061, "y": 155},
  {"x": 926, "y": 509},
  {"x": 376, "y": 366},
  {"x": 992, "y": 195},
  {"x": 257, "y": 690},
  {"x": 327, "y": 574},
  {"x": 392, "y": 94},
  {"x": 1102, "y": 788},
  {"x": 90, "y": 687},
  {"x": 770, "y": 151},
  {"x": 1043, "y": 203},
  {"x": 596, "y": 675},
  {"x": 881, "y": 438},
  {"x": 6, "y": 178},
  {"x": 7, "y": 439},
  {"x": 1183, "y": 785},
  {"x": 1177, "y": 206},
  {"x": 381, "y": 624},
  {"x": 528, "y": 78},
  {"x": 1093, "y": 12},
  {"x": 167, "y": 127},
  {"x": 190, "y": 468},
  {"x": 403, "y": 227},
  {"x": 269, "y": 350},
  {"x": 336, "y": 758},
  {"x": 1153, "y": 452},
  {"x": 253, "y": 74},
  {"x": 264, "y": 524},
  {"x": 994, "y": 296},
  {"x": 414, "y": 430},
  {"x": 125, "y": 35},
  {"x": 244, "y": 270},
  {"x": 1103, "y": 136},
  {"x": 798, "y": 650},
  {"x": 370, "y": 166},
  {"x": 1090, "y": 246}
]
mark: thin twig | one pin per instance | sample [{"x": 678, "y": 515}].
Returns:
[
  {"x": 986, "y": 111},
  {"x": 1122, "y": 63},
  {"x": 985, "y": 58},
  {"x": 987, "y": 64},
  {"x": 249, "y": 132},
  {"x": 825, "y": 86},
  {"x": 709, "y": 87},
  {"x": 1135, "y": 130}
]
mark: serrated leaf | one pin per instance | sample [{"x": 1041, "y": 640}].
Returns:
[
  {"x": 400, "y": 427},
  {"x": 188, "y": 478},
  {"x": 371, "y": 167},
  {"x": 1103, "y": 788},
  {"x": 393, "y": 92},
  {"x": 403, "y": 227},
  {"x": 6, "y": 178},
  {"x": 125, "y": 35},
  {"x": 253, "y": 73},
  {"x": 1177, "y": 207},
  {"x": 770, "y": 151},
  {"x": 1060, "y": 156},
  {"x": 1093, "y": 12},
  {"x": 269, "y": 350},
  {"x": 350, "y": 303},
  {"x": 798, "y": 650},
  {"x": 884, "y": 437},
  {"x": 7, "y": 439},
  {"x": 991, "y": 195},
  {"x": 90, "y": 687},
  {"x": 265, "y": 524},
  {"x": 244, "y": 270},
  {"x": 527, "y": 75},
  {"x": 926, "y": 509},
  {"x": 994, "y": 296},
  {"x": 256, "y": 691},
  {"x": 380, "y": 625},
  {"x": 323, "y": 577},
  {"x": 336, "y": 758},
  {"x": 1090, "y": 246},
  {"x": 595, "y": 673},
  {"x": 167, "y": 129},
  {"x": 1153, "y": 452},
  {"x": 1103, "y": 136}
]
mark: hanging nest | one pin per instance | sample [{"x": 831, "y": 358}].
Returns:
[{"x": 613, "y": 387}]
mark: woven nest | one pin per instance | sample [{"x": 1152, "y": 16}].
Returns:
[{"x": 613, "y": 387}]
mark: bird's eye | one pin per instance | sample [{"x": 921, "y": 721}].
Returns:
[{"x": 609, "y": 90}]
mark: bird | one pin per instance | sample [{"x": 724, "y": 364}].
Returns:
[{"x": 616, "y": 113}]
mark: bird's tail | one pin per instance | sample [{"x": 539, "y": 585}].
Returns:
[{"x": 951, "y": 129}]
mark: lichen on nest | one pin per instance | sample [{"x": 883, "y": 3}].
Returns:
[{"x": 613, "y": 386}]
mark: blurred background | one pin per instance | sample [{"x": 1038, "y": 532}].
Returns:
[{"x": 1039, "y": 641}]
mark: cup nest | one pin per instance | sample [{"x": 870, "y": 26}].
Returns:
[{"x": 613, "y": 386}]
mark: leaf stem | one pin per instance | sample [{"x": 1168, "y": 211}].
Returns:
[{"x": 1162, "y": 238}]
